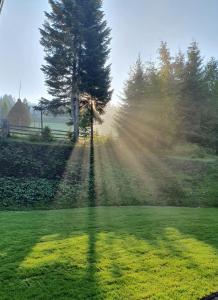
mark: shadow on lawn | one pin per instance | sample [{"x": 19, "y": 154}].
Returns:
[
  {"x": 52, "y": 248},
  {"x": 94, "y": 288},
  {"x": 33, "y": 272}
]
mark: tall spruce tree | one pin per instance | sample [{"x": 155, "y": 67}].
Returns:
[
  {"x": 95, "y": 76},
  {"x": 167, "y": 98},
  {"x": 76, "y": 41},
  {"x": 210, "y": 114},
  {"x": 134, "y": 95},
  {"x": 194, "y": 94}
]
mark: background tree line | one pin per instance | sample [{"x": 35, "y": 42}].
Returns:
[
  {"x": 174, "y": 99},
  {"x": 6, "y": 103}
]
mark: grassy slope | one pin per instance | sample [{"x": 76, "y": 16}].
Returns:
[
  {"x": 109, "y": 253},
  {"x": 122, "y": 175},
  {"x": 131, "y": 176}
]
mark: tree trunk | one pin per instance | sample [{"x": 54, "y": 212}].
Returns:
[
  {"x": 92, "y": 192},
  {"x": 75, "y": 116},
  {"x": 72, "y": 113},
  {"x": 41, "y": 120},
  {"x": 92, "y": 127},
  {"x": 76, "y": 125}
]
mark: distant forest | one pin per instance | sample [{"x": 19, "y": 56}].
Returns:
[{"x": 173, "y": 99}]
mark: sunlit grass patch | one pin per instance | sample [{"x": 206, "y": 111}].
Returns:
[
  {"x": 51, "y": 250},
  {"x": 109, "y": 253}
]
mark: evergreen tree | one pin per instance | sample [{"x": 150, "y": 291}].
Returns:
[
  {"x": 209, "y": 123},
  {"x": 76, "y": 38},
  {"x": 131, "y": 115},
  {"x": 95, "y": 76},
  {"x": 179, "y": 70},
  {"x": 179, "y": 79},
  {"x": 134, "y": 91},
  {"x": 194, "y": 94},
  {"x": 167, "y": 106},
  {"x": 61, "y": 38},
  {"x": 166, "y": 70}
]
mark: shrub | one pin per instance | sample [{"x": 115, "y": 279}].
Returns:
[
  {"x": 26, "y": 193},
  {"x": 34, "y": 137},
  {"x": 47, "y": 134},
  {"x": 33, "y": 160}
]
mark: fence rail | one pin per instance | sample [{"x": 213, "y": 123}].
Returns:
[
  {"x": 15, "y": 130},
  {"x": 30, "y": 131}
]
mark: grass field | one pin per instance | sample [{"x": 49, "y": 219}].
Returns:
[
  {"x": 109, "y": 253},
  {"x": 53, "y": 125}
]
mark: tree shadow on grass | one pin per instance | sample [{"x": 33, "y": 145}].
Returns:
[
  {"x": 92, "y": 257},
  {"x": 33, "y": 265},
  {"x": 64, "y": 262}
]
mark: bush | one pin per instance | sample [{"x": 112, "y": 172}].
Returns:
[
  {"x": 34, "y": 137},
  {"x": 70, "y": 136},
  {"x": 47, "y": 134},
  {"x": 33, "y": 160},
  {"x": 26, "y": 193}
]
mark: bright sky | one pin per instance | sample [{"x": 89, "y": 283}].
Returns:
[{"x": 138, "y": 26}]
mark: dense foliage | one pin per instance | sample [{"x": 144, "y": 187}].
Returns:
[
  {"x": 76, "y": 41},
  {"x": 17, "y": 193},
  {"x": 25, "y": 160},
  {"x": 31, "y": 175},
  {"x": 173, "y": 99}
]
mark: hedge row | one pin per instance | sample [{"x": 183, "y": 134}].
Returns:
[
  {"x": 26, "y": 193},
  {"x": 33, "y": 160},
  {"x": 32, "y": 193}
]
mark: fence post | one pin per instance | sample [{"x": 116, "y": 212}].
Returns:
[{"x": 5, "y": 128}]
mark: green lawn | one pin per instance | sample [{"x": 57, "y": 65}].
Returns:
[
  {"x": 53, "y": 125},
  {"x": 109, "y": 253}
]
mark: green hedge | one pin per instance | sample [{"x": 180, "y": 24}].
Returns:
[
  {"x": 26, "y": 193},
  {"x": 21, "y": 160}
]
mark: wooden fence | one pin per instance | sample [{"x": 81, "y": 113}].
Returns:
[
  {"x": 28, "y": 131},
  {"x": 7, "y": 130}
]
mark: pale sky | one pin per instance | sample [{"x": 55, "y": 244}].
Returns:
[{"x": 137, "y": 26}]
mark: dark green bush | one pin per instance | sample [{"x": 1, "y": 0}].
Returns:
[
  {"x": 34, "y": 137},
  {"x": 47, "y": 134},
  {"x": 26, "y": 193},
  {"x": 33, "y": 160}
]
